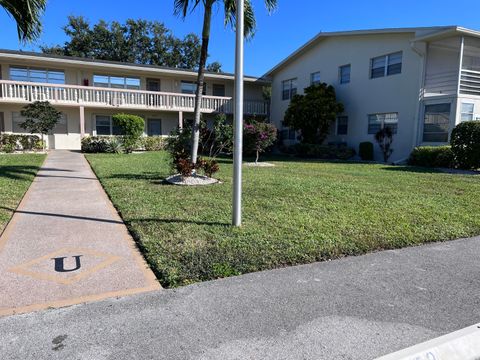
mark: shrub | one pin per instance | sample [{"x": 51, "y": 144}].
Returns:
[
  {"x": 8, "y": 148},
  {"x": 210, "y": 167},
  {"x": 432, "y": 156},
  {"x": 95, "y": 144},
  {"x": 184, "y": 166},
  {"x": 384, "y": 138},
  {"x": 465, "y": 141},
  {"x": 366, "y": 151},
  {"x": 257, "y": 137},
  {"x": 328, "y": 152},
  {"x": 20, "y": 142},
  {"x": 114, "y": 145},
  {"x": 153, "y": 143},
  {"x": 132, "y": 127}
]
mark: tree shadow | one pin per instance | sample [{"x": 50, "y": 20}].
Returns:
[
  {"x": 412, "y": 169},
  {"x": 154, "y": 176},
  {"x": 56, "y": 169},
  {"x": 179, "y": 221},
  {"x": 18, "y": 172},
  {"x": 74, "y": 217}
]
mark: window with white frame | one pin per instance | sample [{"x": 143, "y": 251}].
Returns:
[
  {"x": 386, "y": 65},
  {"x": 344, "y": 74},
  {"x": 436, "y": 123},
  {"x": 104, "y": 126},
  {"x": 289, "y": 89},
  {"x": 377, "y": 122},
  {"x": 37, "y": 75},
  {"x": 116, "y": 82},
  {"x": 468, "y": 112},
  {"x": 60, "y": 128},
  {"x": 315, "y": 78},
  {"x": 342, "y": 125}
]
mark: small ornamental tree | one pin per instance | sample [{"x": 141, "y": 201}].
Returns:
[
  {"x": 384, "y": 138},
  {"x": 40, "y": 118},
  {"x": 313, "y": 113},
  {"x": 132, "y": 127},
  {"x": 257, "y": 137}
]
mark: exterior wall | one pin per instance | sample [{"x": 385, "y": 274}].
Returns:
[{"x": 362, "y": 96}]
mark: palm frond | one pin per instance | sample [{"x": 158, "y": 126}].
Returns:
[
  {"x": 249, "y": 16},
  {"x": 27, "y": 14},
  {"x": 180, "y": 7}
]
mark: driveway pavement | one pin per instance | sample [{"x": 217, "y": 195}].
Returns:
[
  {"x": 353, "y": 308},
  {"x": 66, "y": 244}
]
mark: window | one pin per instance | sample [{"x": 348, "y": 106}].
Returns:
[
  {"x": 386, "y": 65},
  {"x": 377, "y": 122},
  {"x": 104, "y": 126},
  {"x": 190, "y": 87},
  {"x": 315, "y": 78},
  {"x": 467, "y": 112},
  {"x": 218, "y": 90},
  {"x": 289, "y": 89},
  {"x": 342, "y": 125},
  {"x": 17, "y": 119},
  {"x": 116, "y": 82},
  {"x": 37, "y": 75},
  {"x": 344, "y": 74},
  {"x": 436, "y": 123}
]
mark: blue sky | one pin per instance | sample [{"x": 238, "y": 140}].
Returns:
[{"x": 294, "y": 23}]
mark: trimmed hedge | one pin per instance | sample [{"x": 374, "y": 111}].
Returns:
[
  {"x": 13, "y": 142},
  {"x": 465, "y": 141},
  {"x": 432, "y": 156},
  {"x": 153, "y": 143},
  {"x": 328, "y": 152},
  {"x": 112, "y": 144}
]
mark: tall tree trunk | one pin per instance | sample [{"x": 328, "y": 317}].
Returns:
[{"x": 200, "y": 79}]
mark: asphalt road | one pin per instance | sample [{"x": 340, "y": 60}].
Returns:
[{"x": 353, "y": 308}]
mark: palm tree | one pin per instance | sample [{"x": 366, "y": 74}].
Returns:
[
  {"x": 182, "y": 8},
  {"x": 27, "y": 14}
]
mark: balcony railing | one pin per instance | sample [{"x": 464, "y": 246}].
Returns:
[{"x": 25, "y": 92}]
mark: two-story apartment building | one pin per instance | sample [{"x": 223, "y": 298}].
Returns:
[
  {"x": 419, "y": 81},
  {"x": 89, "y": 92}
]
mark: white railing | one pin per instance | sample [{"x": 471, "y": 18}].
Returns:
[
  {"x": 470, "y": 82},
  {"x": 25, "y": 92}
]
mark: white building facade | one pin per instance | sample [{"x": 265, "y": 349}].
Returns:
[
  {"x": 89, "y": 92},
  {"x": 419, "y": 81}
]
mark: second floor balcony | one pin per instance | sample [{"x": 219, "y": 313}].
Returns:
[{"x": 72, "y": 95}]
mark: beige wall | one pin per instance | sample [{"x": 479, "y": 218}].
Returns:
[{"x": 362, "y": 96}]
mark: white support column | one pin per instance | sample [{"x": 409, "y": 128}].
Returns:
[
  {"x": 82, "y": 121},
  {"x": 180, "y": 120}
]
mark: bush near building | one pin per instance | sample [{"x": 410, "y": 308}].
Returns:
[
  {"x": 432, "y": 156},
  {"x": 465, "y": 141}
]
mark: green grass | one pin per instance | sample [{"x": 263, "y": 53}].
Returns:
[
  {"x": 16, "y": 173},
  {"x": 295, "y": 213}
]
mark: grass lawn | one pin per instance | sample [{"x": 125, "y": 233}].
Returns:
[
  {"x": 16, "y": 173},
  {"x": 297, "y": 212}
]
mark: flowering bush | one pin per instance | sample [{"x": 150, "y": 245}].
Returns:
[{"x": 258, "y": 137}]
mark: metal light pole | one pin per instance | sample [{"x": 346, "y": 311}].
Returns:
[{"x": 238, "y": 121}]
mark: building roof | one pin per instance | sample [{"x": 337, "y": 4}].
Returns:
[
  {"x": 421, "y": 34},
  {"x": 25, "y": 55}
]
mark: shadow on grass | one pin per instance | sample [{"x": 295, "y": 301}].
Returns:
[
  {"x": 413, "y": 169},
  {"x": 18, "y": 172},
  {"x": 154, "y": 176},
  {"x": 179, "y": 221}
]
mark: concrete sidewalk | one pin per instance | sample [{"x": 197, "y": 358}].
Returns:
[
  {"x": 66, "y": 244},
  {"x": 353, "y": 308}
]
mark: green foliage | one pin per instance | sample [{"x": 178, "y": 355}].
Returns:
[
  {"x": 135, "y": 41},
  {"x": 41, "y": 117},
  {"x": 132, "y": 127},
  {"x": 465, "y": 141},
  {"x": 153, "y": 143},
  {"x": 215, "y": 67},
  {"x": 95, "y": 144},
  {"x": 210, "y": 167},
  {"x": 313, "y": 113},
  {"x": 295, "y": 213},
  {"x": 432, "y": 156},
  {"x": 115, "y": 145},
  {"x": 384, "y": 139},
  {"x": 365, "y": 151},
  {"x": 184, "y": 166},
  {"x": 27, "y": 15},
  {"x": 327, "y": 152},
  {"x": 12, "y": 142},
  {"x": 258, "y": 137}
]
